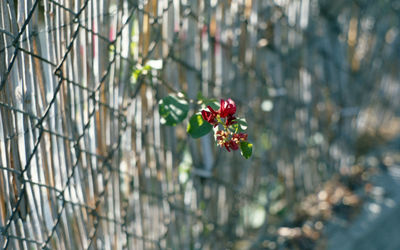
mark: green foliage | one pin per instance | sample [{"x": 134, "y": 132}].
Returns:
[
  {"x": 246, "y": 149},
  {"x": 240, "y": 125},
  {"x": 144, "y": 70},
  {"x": 213, "y": 103},
  {"x": 140, "y": 71},
  {"x": 197, "y": 127},
  {"x": 173, "y": 109}
]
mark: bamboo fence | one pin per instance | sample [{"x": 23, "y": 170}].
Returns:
[{"x": 85, "y": 162}]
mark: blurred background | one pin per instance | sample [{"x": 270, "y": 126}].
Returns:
[{"x": 86, "y": 164}]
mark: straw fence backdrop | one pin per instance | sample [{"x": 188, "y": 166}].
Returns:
[{"x": 86, "y": 164}]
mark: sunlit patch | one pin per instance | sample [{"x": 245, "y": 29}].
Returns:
[
  {"x": 200, "y": 120},
  {"x": 267, "y": 105}
]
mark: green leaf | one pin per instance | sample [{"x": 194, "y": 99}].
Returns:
[
  {"x": 212, "y": 103},
  {"x": 197, "y": 127},
  {"x": 201, "y": 97},
  {"x": 173, "y": 110},
  {"x": 246, "y": 149},
  {"x": 240, "y": 125},
  {"x": 136, "y": 73},
  {"x": 140, "y": 71}
]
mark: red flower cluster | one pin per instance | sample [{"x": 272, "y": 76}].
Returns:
[
  {"x": 224, "y": 116},
  {"x": 230, "y": 140},
  {"x": 226, "y": 110}
]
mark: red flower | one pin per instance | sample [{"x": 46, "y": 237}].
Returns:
[
  {"x": 210, "y": 116},
  {"x": 228, "y": 140},
  {"x": 233, "y": 145},
  {"x": 230, "y": 120},
  {"x": 239, "y": 137},
  {"x": 226, "y": 144},
  {"x": 221, "y": 136},
  {"x": 234, "y": 142},
  {"x": 224, "y": 117},
  {"x": 227, "y": 108}
]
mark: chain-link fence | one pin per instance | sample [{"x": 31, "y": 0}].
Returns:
[{"x": 86, "y": 164}]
